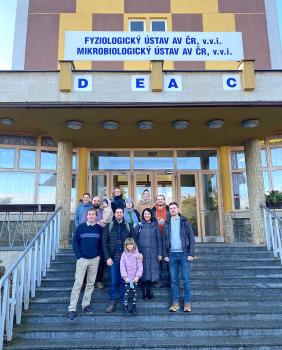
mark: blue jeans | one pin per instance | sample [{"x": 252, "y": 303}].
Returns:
[
  {"x": 117, "y": 283},
  {"x": 179, "y": 261}
]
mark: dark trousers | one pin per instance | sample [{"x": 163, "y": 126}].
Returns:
[
  {"x": 100, "y": 272},
  {"x": 130, "y": 294},
  {"x": 164, "y": 273},
  {"x": 117, "y": 283}
]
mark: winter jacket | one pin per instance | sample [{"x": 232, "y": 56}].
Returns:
[
  {"x": 117, "y": 202},
  {"x": 109, "y": 239},
  {"x": 80, "y": 213},
  {"x": 149, "y": 242},
  {"x": 143, "y": 205},
  {"x": 131, "y": 265},
  {"x": 186, "y": 235}
]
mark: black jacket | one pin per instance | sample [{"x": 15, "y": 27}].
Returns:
[
  {"x": 109, "y": 239},
  {"x": 117, "y": 202},
  {"x": 186, "y": 235}
]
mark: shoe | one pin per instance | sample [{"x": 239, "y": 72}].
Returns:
[
  {"x": 125, "y": 310},
  {"x": 133, "y": 309},
  {"x": 187, "y": 308},
  {"x": 72, "y": 316},
  {"x": 111, "y": 307},
  {"x": 174, "y": 307},
  {"x": 88, "y": 309},
  {"x": 100, "y": 285},
  {"x": 144, "y": 294},
  {"x": 150, "y": 295}
]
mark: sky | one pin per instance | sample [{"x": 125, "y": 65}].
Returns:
[{"x": 7, "y": 26}]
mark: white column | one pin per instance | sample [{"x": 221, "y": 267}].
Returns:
[{"x": 255, "y": 189}]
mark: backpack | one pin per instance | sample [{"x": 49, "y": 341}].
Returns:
[{"x": 112, "y": 225}]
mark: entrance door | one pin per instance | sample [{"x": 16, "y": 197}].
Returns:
[
  {"x": 103, "y": 183},
  {"x": 198, "y": 199}
]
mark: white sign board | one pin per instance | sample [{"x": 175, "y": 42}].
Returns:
[
  {"x": 150, "y": 46},
  {"x": 231, "y": 82}
]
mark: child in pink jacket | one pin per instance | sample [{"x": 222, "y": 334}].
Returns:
[{"x": 131, "y": 269}]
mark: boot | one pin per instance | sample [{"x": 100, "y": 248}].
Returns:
[
  {"x": 150, "y": 294},
  {"x": 134, "y": 310},
  {"x": 111, "y": 307},
  {"x": 125, "y": 310},
  {"x": 144, "y": 294}
]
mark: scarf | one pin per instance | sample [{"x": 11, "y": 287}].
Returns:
[{"x": 130, "y": 217}]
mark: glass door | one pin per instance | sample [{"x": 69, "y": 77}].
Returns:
[
  {"x": 121, "y": 180},
  {"x": 189, "y": 201},
  {"x": 210, "y": 209},
  {"x": 99, "y": 185},
  {"x": 142, "y": 181},
  {"x": 165, "y": 185}
]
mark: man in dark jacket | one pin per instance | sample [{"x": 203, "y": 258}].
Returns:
[
  {"x": 87, "y": 248},
  {"x": 117, "y": 201},
  {"x": 114, "y": 235},
  {"x": 178, "y": 251}
]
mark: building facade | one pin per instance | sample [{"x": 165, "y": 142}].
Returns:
[{"x": 214, "y": 144}]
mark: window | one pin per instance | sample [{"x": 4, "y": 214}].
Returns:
[
  {"x": 158, "y": 25},
  {"x": 153, "y": 160},
  {"x": 7, "y": 158},
  {"x": 136, "y": 25},
  {"x": 27, "y": 159},
  {"x": 197, "y": 160},
  {"x": 109, "y": 160},
  {"x": 48, "y": 160}
]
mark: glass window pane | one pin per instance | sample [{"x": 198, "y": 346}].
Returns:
[
  {"x": 18, "y": 140},
  {"x": 99, "y": 186},
  {"x": 240, "y": 191},
  {"x": 158, "y": 26},
  {"x": 188, "y": 200},
  {"x": 153, "y": 160},
  {"x": 27, "y": 159},
  {"x": 48, "y": 160},
  {"x": 74, "y": 160},
  {"x": 276, "y": 156},
  {"x": 196, "y": 160},
  {"x": 7, "y": 158},
  {"x": 48, "y": 142},
  {"x": 73, "y": 194},
  {"x": 266, "y": 181},
  {"x": 238, "y": 160},
  {"x": 47, "y": 188},
  {"x": 263, "y": 158},
  {"x": 277, "y": 180},
  {"x": 136, "y": 26},
  {"x": 17, "y": 188},
  {"x": 109, "y": 160}
]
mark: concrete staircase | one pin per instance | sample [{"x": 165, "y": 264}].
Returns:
[{"x": 237, "y": 304}]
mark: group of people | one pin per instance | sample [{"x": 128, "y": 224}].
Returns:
[{"x": 140, "y": 246}]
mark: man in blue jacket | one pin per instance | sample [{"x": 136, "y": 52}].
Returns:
[
  {"x": 81, "y": 210},
  {"x": 179, "y": 252},
  {"x": 87, "y": 248}
]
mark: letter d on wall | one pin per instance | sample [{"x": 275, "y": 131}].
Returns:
[{"x": 82, "y": 83}]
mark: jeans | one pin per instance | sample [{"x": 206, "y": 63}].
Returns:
[
  {"x": 117, "y": 282},
  {"x": 179, "y": 261}
]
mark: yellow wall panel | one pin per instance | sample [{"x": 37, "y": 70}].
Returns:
[
  {"x": 219, "y": 22},
  {"x": 193, "y": 6},
  {"x": 222, "y": 65},
  {"x": 100, "y": 6},
  {"x": 74, "y": 21}
]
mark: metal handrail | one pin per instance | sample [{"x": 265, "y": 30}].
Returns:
[
  {"x": 273, "y": 231},
  {"x": 18, "y": 285}
]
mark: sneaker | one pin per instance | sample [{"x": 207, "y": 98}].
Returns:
[
  {"x": 88, "y": 309},
  {"x": 100, "y": 285},
  {"x": 174, "y": 307},
  {"x": 187, "y": 308},
  {"x": 111, "y": 307},
  {"x": 71, "y": 316}
]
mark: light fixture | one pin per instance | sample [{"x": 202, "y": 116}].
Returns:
[
  {"x": 6, "y": 121},
  {"x": 250, "y": 123},
  {"x": 145, "y": 124},
  {"x": 110, "y": 124},
  {"x": 180, "y": 124},
  {"x": 215, "y": 124},
  {"x": 74, "y": 124}
]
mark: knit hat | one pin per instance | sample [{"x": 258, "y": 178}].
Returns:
[
  {"x": 105, "y": 200},
  {"x": 129, "y": 200}
]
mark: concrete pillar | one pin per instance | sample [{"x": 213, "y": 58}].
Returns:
[
  {"x": 255, "y": 189},
  {"x": 63, "y": 192},
  {"x": 226, "y": 193}
]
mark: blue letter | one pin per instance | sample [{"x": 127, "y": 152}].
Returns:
[
  {"x": 231, "y": 82},
  {"x": 140, "y": 83},
  {"x": 172, "y": 83},
  {"x": 82, "y": 83}
]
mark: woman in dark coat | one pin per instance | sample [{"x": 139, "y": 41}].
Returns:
[{"x": 149, "y": 242}]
